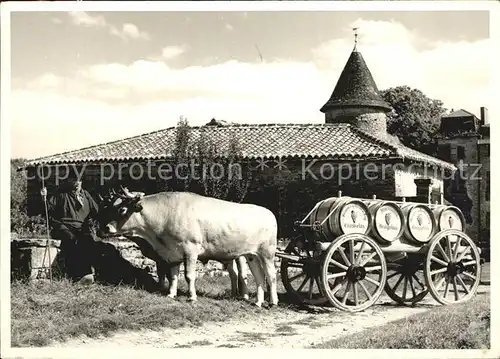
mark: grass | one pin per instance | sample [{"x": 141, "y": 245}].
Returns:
[
  {"x": 43, "y": 311},
  {"x": 458, "y": 326}
]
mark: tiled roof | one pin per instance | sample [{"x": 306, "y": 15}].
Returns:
[
  {"x": 356, "y": 87},
  {"x": 329, "y": 141},
  {"x": 459, "y": 113}
]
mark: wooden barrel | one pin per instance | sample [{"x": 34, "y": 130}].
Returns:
[
  {"x": 341, "y": 215},
  {"x": 388, "y": 220},
  {"x": 420, "y": 222},
  {"x": 449, "y": 217}
]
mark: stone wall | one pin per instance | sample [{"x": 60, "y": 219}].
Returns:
[
  {"x": 463, "y": 190},
  {"x": 118, "y": 261}
]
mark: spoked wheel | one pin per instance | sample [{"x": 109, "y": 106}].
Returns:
[
  {"x": 452, "y": 267},
  {"x": 302, "y": 278},
  {"x": 353, "y": 273},
  {"x": 405, "y": 280}
]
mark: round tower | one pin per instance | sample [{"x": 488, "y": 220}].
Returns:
[{"x": 356, "y": 99}]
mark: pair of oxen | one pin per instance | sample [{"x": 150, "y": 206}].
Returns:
[{"x": 174, "y": 228}]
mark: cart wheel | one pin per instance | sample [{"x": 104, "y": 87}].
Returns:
[
  {"x": 453, "y": 261},
  {"x": 356, "y": 263},
  {"x": 301, "y": 279},
  {"x": 405, "y": 282}
]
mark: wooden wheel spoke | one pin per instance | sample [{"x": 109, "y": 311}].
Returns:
[
  {"x": 296, "y": 276},
  {"x": 469, "y": 275},
  {"x": 336, "y": 275},
  {"x": 311, "y": 284},
  {"x": 446, "y": 289},
  {"x": 346, "y": 293},
  {"x": 338, "y": 286},
  {"x": 439, "y": 271},
  {"x": 393, "y": 275},
  {"x": 440, "y": 261},
  {"x": 373, "y": 281},
  {"x": 360, "y": 253},
  {"x": 448, "y": 246},
  {"x": 351, "y": 251},
  {"x": 337, "y": 264},
  {"x": 455, "y": 250},
  {"x": 413, "y": 291},
  {"x": 405, "y": 287},
  {"x": 418, "y": 281},
  {"x": 441, "y": 282},
  {"x": 461, "y": 281},
  {"x": 303, "y": 283},
  {"x": 455, "y": 289},
  {"x": 371, "y": 269},
  {"x": 397, "y": 283},
  {"x": 441, "y": 250},
  {"x": 462, "y": 254},
  {"x": 355, "y": 293},
  {"x": 469, "y": 263},
  {"x": 344, "y": 257},
  {"x": 362, "y": 264},
  {"x": 317, "y": 283},
  {"x": 365, "y": 290}
]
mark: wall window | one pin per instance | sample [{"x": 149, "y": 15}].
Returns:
[
  {"x": 453, "y": 153},
  {"x": 460, "y": 152}
]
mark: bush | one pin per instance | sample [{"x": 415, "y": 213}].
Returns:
[{"x": 20, "y": 223}]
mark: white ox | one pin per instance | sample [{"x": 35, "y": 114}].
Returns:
[{"x": 183, "y": 227}]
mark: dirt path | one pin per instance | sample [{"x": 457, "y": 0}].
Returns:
[{"x": 271, "y": 330}]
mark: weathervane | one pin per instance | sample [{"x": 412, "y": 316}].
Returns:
[{"x": 355, "y": 30}]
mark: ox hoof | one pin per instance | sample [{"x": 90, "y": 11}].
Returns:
[
  {"x": 246, "y": 297},
  {"x": 171, "y": 296},
  {"x": 258, "y": 305},
  {"x": 272, "y": 306}
]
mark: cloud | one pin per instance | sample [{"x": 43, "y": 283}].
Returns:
[
  {"x": 84, "y": 19},
  {"x": 171, "y": 52},
  {"x": 129, "y": 31},
  {"x": 56, "y": 20},
  {"x": 126, "y": 99},
  {"x": 126, "y": 32},
  {"x": 229, "y": 27}
]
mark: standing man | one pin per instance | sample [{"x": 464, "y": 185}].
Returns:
[{"x": 69, "y": 211}]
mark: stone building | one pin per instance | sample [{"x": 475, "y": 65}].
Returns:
[
  {"x": 464, "y": 140},
  {"x": 293, "y": 165}
]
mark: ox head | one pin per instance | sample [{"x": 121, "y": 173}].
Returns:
[{"x": 116, "y": 209}]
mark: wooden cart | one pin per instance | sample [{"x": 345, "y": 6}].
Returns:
[{"x": 349, "y": 250}]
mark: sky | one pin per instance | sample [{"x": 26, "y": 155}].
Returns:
[{"x": 85, "y": 78}]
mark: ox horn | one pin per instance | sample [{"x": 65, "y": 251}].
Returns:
[{"x": 127, "y": 192}]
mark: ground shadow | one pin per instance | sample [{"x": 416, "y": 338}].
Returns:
[{"x": 112, "y": 269}]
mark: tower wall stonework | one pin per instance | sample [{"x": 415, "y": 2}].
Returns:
[{"x": 369, "y": 120}]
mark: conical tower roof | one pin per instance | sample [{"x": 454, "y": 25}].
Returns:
[{"x": 356, "y": 87}]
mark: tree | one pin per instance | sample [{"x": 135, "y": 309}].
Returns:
[
  {"x": 204, "y": 166},
  {"x": 415, "y": 119}
]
